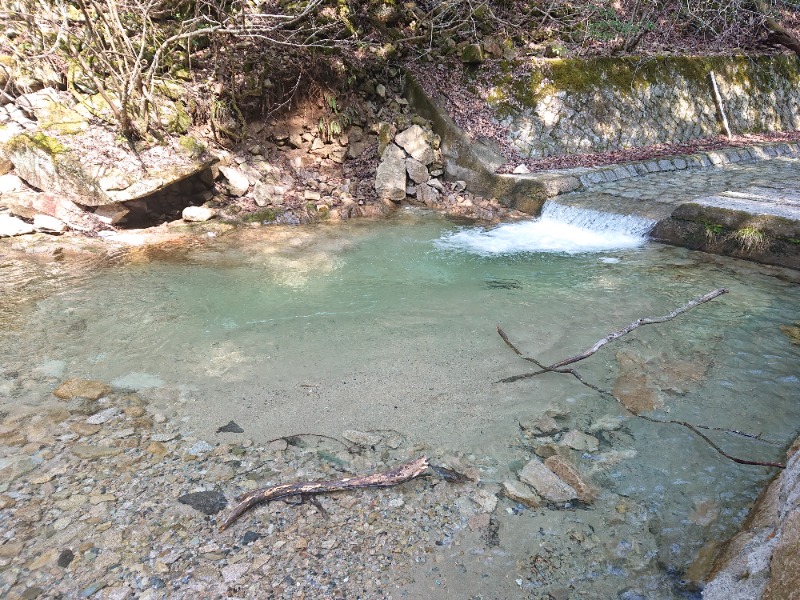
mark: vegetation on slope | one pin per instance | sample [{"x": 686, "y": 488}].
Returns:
[{"x": 229, "y": 59}]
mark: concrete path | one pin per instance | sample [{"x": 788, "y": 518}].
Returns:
[{"x": 748, "y": 210}]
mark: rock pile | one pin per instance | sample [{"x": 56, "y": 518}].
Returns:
[{"x": 411, "y": 165}]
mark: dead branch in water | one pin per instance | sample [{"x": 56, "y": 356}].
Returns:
[
  {"x": 395, "y": 476},
  {"x": 558, "y": 367},
  {"x": 638, "y": 323}
]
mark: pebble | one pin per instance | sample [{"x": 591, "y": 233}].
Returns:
[
  {"x": 81, "y": 388},
  {"x": 85, "y": 451},
  {"x": 104, "y": 416},
  {"x": 199, "y": 448},
  {"x": 84, "y": 429},
  {"x": 208, "y": 502}
]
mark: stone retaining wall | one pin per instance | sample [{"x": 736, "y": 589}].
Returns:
[{"x": 574, "y": 106}]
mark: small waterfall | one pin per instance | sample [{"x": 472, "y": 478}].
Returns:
[{"x": 560, "y": 229}]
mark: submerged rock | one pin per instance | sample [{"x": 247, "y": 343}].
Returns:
[
  {"x": 577, "y": 440},
  {"x": 546, "y": 483},
  {"x": 81, "y": 388},
  {"x": 569, "y": 473},
  {"x": 520, "y": 492},
  {"x": 362, "y": 438}
]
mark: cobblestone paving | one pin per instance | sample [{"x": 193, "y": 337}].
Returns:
[{"x": 753, "y": 186}]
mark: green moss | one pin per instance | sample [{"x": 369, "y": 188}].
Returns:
[
  {"x": 37, "y": 140},
  {"x": 191, "y": 146},
  {"x": 629, "y": 75},
  {"x": 180, "y": 120},
  {"x": 261, "y": 216}
]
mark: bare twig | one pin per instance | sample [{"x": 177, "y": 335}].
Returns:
[
  {"x": 638, "y": 323},
  {"x": 559, "y": 368}
]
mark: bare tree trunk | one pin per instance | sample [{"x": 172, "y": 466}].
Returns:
[{"x": 780, "y": 36}]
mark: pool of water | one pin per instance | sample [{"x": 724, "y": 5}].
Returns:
[{"x": 392, "y": 325}]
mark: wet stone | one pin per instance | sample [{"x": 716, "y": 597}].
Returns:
[
  {"x": 84, "y": 429},
  {"x": 580, "y": 441},
  {"x": 520, "y": 492},
  {"x": 104, "y": 416},
  {"x": 231, "y": 427},
  {"x": 546, "y": 483},
  {"x": 208, "y": 502},
  {"x": 81, "y": 388},
  {"x": 65, "y": 558}
]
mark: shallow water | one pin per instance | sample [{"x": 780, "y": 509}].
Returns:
[{"x": 391, "y": 325}]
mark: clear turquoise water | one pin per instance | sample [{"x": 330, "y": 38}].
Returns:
[{"x": 391, "y": 325}]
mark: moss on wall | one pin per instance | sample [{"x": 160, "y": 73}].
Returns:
[{"x": 527, "y": 83}]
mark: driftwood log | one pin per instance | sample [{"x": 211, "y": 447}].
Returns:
[{"x": 395, "y": 476}]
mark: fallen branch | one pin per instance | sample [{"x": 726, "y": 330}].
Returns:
[
  {"x": 559, "y": 368},
  {"x": 638, "y": 323},
  {"x": 395, "y": 476}
]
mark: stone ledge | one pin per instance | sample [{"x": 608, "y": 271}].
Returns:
[
  {"x": 762, "y": 561},
  {"x": 753, "y": 229}
]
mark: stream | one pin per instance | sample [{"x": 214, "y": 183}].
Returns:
[{"x": 391, "y": 325}]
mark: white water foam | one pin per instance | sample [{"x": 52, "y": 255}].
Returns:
[{"x": 560, "y": 229}]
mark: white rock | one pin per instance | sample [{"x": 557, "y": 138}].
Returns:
[
  {"x": 48, "y": 223},
  {"x": 12, "y": 226},
  {"x": 238, "y": 181},
  {"x": 390, "y": 179},
  {"x": 417, "y": 171},
  {"x": 104, "y": 416},
  {"x": 436, "y": 184},
  {"x": 546, "y": 483},
  {"x": 199, "y": 448},
  {"x": 233, "y": 573},
  {"x": 427, "y": 195},
  {"x": 521, "y": 170},
  {"x": 580, "y": 441},
  {"x": 111, "y": 213},
  {"x": 198, "y": 213},
  {"x": 10, "y": 183},
  {"x": 414, "y": 140}
]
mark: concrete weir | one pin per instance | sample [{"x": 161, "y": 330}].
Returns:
[{"x": 739, "y": 202}]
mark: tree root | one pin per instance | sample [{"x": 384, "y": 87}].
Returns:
[{"x": 558, "y": 367}]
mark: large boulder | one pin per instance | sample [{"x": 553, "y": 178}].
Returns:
[
  {"x": 417, "y": 142},
  {"x": 390, "y": 179},
  {"x": 51, "y": 163}
]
